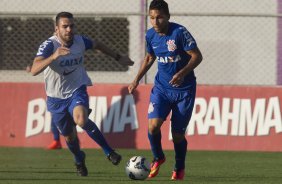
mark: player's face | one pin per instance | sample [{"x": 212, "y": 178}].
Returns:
[
  {"x": 159, "y": 21},
  {"x": 65, "y": 30}
]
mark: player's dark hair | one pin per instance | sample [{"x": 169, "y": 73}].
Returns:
[
  {"x": 159, "y": 5},
  {"x": 63, "y": 15}
]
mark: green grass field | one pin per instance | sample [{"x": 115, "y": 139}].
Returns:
[{"x": 38, "y": 166}]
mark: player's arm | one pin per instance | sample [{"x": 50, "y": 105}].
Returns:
[
  {"x": 195, "y": 60},
  {"x": 28, "y": 67},
  {"x": 123, "y": 60},
  {"x": 41, "y": 62},
  {"x": 146, "y": 65}
]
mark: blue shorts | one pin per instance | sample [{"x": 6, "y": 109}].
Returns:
[
  {"x": 62, "y": 109},
  {"x": 180, "y": 103}
]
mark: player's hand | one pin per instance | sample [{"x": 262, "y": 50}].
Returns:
[
  {"x": 132, "y": 86},
  {"x": 61, "y": 51},
  {"x": 176, "y": 80},
  {"x": 125, "y": 60},
  {"x": 28, "y": 68}
]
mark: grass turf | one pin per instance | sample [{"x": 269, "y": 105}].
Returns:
[{"x": 39, "y": 166}]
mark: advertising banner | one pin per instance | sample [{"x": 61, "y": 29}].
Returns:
[{"x": 224, "y": 117}]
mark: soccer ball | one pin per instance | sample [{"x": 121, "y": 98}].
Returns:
[{"x": 137, "y": 168}]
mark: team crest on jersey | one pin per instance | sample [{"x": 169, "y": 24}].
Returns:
[
  {"x": 171, "y": 45},
  {"x": 151, "y": 107}
]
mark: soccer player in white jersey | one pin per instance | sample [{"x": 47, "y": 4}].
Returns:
[
  {"x": 61, "y": 57},
  {"x": 174, "y": 90}
]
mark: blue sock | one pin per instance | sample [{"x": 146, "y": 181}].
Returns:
[
  {"x": 156, "y": 145},
  {"x": 93, "y": 131},
  {"x": 180, "y": 154},
  {"x": 55, "y": 131},
  {"x": 75, "y": 149}
]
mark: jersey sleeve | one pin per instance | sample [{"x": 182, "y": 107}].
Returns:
[
  {"x": 88, "y": 42},
  {"x": 186, "y": 39},
  {"x": 45, "y": 49},
  {"x": 149, "y": 47}
]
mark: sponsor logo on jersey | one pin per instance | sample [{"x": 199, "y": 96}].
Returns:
[
  {"x": 71, "y": 61},
  {"x": 42, "y": 47},
  {"x": 188, "y": 37},
  {"x": 68, "y": 72},
  {"x": 168, "y": 59},
  {"x": 171, "y": 45}
]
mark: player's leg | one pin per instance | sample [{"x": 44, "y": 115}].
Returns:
[
  {"x": 79, "y": 156},
  {"x": 56, "y": 143},
  {"x": 55, "y": 131},
  {"x": 180, "y": 148},
  {"x": 65, "y": 125},
  {"x": 159, "y": 108},
  {"x": 154, "y": 136},
  {"x": 181, "y": 115},
  {"x": 80, "y": 111}
]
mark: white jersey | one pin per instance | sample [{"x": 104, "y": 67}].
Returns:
[{"x": 67, "y": 73}]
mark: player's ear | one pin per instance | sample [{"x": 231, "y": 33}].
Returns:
[{"x": 56, "y": 28}]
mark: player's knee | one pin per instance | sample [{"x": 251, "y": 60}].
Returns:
[
  {"x": 153, "y": 128},
  {"x": 155, "y": 125},
  {"x": 177, "y": 137},
  {"x": 80, "y": 115},
  {"x": 80, "y": 120},
  {"x": 80, "y": 123}
]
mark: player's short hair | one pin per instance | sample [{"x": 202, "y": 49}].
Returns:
[
  {"x": 63, "y": 15},
  {"x": 159, "y": 5}
]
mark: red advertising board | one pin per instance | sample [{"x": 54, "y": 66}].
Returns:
[{"x": 224, "y": 117}]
